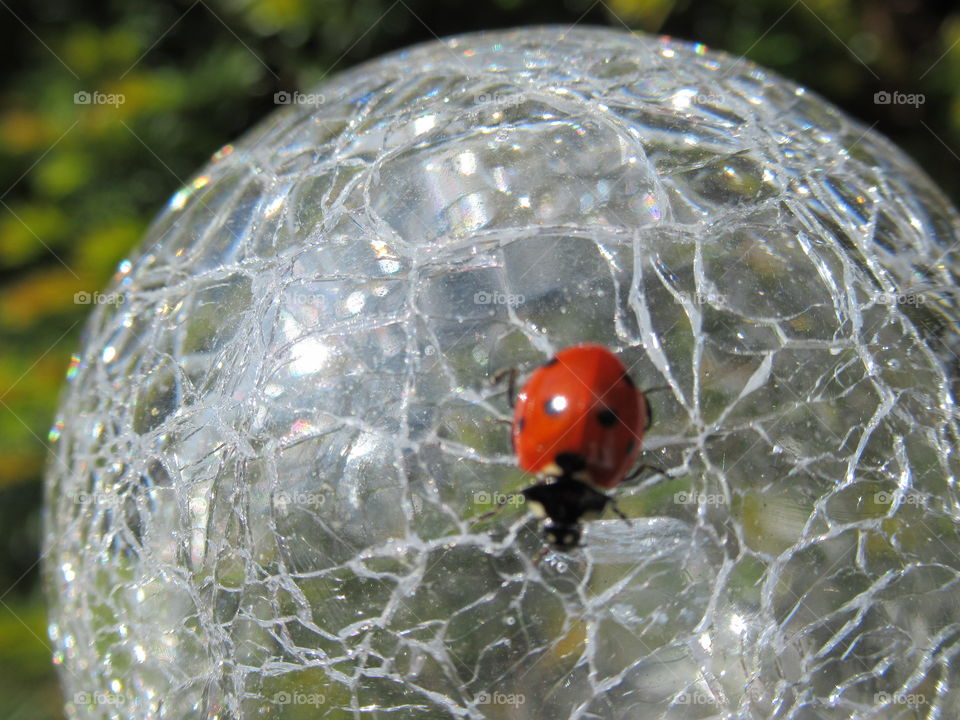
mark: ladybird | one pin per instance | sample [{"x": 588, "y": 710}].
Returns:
[{"x": 578, "y": 422}]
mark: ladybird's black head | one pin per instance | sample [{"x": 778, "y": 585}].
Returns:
[
  {"x": 563, "y": 502},
  {"x": 562, "y": 537},
  {"x": 570, "y": 463}
]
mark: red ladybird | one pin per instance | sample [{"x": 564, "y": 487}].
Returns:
[{"x": 579, "y": 420}]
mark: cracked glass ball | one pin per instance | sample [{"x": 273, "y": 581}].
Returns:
[{"x": 276, "y": 442}]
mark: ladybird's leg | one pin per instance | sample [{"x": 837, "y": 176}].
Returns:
[
  {"x": 510, "y": 374},
  {"x": 638, "y": 471},
  {"x": 617, "y": 510},
  {"x": 658, "y": 388},
  {"x": 487, "y": 515}
]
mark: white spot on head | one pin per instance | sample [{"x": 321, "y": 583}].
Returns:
[
  {"x": 537, "y": 509},
  {"x": 551, "y": 469}
]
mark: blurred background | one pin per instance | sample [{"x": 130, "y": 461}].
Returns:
[{"x": 106, "y": 109}]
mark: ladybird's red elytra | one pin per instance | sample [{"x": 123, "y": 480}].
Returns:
[
  {"x": 579, "y": 422},
  {"x": 580, "y": 414}
]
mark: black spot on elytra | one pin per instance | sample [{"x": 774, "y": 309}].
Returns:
[
  {"x": 629, "y": 380},
  {"x": 551, "y": 361},
  {"x": 607, "y": 417},
  {"x": 521, "y": 423}
]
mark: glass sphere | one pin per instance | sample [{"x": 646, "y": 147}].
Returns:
[{"x": 282, "y": 425}]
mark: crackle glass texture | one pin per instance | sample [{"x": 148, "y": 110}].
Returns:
[{"x": 282, "y": 415}]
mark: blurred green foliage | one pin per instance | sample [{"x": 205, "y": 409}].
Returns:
[{"x": 80, "y": 182}]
